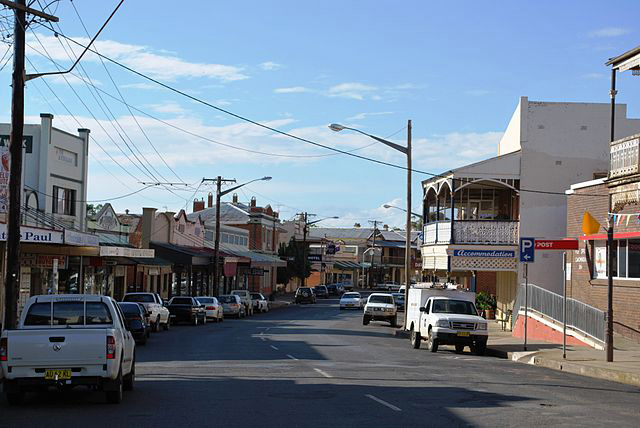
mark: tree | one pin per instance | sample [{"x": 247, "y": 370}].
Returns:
[
  {"x": 356, "y": 225},
  {"x": 93, "y": 210},
  {"x": 297, "y": 267}
]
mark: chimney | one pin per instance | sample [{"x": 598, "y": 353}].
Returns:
[
  {"x": 386, "y": 227},
  {"x": 126, "y": 211},
  {"x": 210, "y": 200},
  {"x": 148, "y": 219},
  {"x": 253, "y": 202},
  {"x": 198, "y": 205},
  {"x": 235, "y": 198}
]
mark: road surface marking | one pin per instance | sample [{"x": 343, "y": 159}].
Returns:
[
  {"x": 274, "y": 347},
  {"x": 323, "y": 373},
  {"x": 264, "y": 339},
  {"x": 384, "y": 403},
  {"x": 292, "y": 357}
]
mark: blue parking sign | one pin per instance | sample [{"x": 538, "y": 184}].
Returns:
[{"x": 527, "y": 250}]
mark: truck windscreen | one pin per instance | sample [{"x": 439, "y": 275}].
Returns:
[{"x": 445, "y": 306}]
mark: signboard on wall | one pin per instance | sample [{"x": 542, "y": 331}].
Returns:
[
  {"x": 71, "y": 237},
  {"x": 5, "y": 161},
  {"x": 34, "y": 235},
  {"x": 600, "y": 264},
  {"x": 44, "y": 261},
  {"x": 127, "y": 252},
  {"x": 501, "y": 254}
]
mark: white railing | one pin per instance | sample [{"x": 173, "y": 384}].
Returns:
[
  {"x": 500, "y": 232},
  {"x": 624, "y": 158}
]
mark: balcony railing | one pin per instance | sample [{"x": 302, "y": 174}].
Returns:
[
  {"x": 624, "y": 157},
  {"x": 489, "y": 232},
  {"x": 392, "y": 260}
]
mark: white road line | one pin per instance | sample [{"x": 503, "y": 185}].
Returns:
[
  {"x": 274, "y": 347},
  {"x": 292, "y": 357},
  {"x": 264, "y": 339},
  {"x": 323, "y": 373},
  {"x": 384, "y": 403}
]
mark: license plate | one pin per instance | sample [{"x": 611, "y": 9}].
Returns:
[
  {"x": 463, "y": 333},
  {"x": 57, "y": 374},
  {"x": 349, "y": 304},
  {"x": 172, "y": 316}
]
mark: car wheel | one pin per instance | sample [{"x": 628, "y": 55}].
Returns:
[
  {"x": 415, "y": 338},
  {"x": 365, "y": 320},
  {"x": 394, "y": 321},
  {"x": 166, "y": 325},
  {"x": 479, "y": 348},
  {"x": 128, "y": 382},
  {"x": 115, "y": 397},
  {"x": 222, "y": 318},
  {"x": 156, "y": 325},
  {"x": 195, "y": 320},
  {"x": 459, "y": 349},
  {"x": 432, "y": 342}
]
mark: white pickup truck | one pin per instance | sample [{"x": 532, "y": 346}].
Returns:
[
  {"x": 158, "y": 314},
  {"x": 445, "y": 316},
  {"x": 68, "y": 340}
]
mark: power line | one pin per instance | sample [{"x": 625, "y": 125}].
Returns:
[{"x": 280, "y": 132}]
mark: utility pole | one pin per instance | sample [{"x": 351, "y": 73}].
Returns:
[
  {"x": 373, "y": 253},
  {"x": 407, "y": 255},
  {"x": 304, "y": 250},
  {"x": 12, "y": 280}
]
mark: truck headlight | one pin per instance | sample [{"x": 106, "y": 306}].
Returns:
[
  {"x": 442, "y": 323},
  {"x": 482, "y": 326}
]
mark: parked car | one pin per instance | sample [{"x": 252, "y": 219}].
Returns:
[
  {"x": 381, "y": 287},
  {"x": 305, "y": 295},
  {"x": 245, "y": 297},
  {"x": 351, "y": 300},
  {"x": 213, "y": 309},
  {"x": 67, "y": 340},
  {"x": 347, "y": 286},
  {"x": 232, "y": 305},
  {"x": 399, "y": 299},
  {"x": 260, "y": 304},
  {"x": 393, "y": 288},
  {"x": 187, "y": 309},
  {"x": 135, "y": 315},
  {"x": 159, "y": 316},
  {"x": 321, "y": 291},
  {"x": 380, "y": 307},
  {"x": 333, "y": 289}
]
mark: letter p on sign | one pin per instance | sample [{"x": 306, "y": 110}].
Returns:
[{"x": 527, "y": 250}]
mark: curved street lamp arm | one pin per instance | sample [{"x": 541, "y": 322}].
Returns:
[
  {"x": 227, "y": 191},
  {"x": 382, "y": 140}
]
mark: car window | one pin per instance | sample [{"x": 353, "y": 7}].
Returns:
[
  {"x": 129, "y": 308},
  {"x": 227, "y": 299},
  {"x": 351, "y": 296},
  {"x": 454, "y": 307},
  {"x": 205, "y": 299},
  {"x": 381, "y": 299},
  {"x": 428, "y": 306},
  {"x": 181, "y": 301},
  {"x": 68, "y": 313},
  {"x": 144, "y": 298}
]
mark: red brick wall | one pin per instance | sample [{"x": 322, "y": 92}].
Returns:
[{"x": 626, "y": 293}]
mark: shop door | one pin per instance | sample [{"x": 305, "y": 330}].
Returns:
[{"x": 118, "y": 288}]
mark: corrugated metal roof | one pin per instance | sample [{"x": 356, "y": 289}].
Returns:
[{"x": 340, "y": 232}]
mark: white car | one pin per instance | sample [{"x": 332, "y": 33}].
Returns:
[
  {"x": 259, "y": 303},
  {"x": 158, "y": 313},
  {"x": 68, "y": 340},
  {"x": 351, "y": 300},
  {"x": 245, "y": 297},
  {"x": 380, "y": 307},
  {"x": 212, "y": 307}
]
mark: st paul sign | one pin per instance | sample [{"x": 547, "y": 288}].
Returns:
[{"x": 35, "y": 235}]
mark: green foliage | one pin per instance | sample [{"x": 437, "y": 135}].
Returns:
[
  {"x": 93, "y": 210},
  {"x": 296, "y": 267},
  {"x": 485, "y": 301}
]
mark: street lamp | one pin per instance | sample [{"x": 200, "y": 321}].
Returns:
[
  {"x": 407, "y": 151},
  {"x": 304, "y": 242},
  {"x": 387, "y": 206},
  {"x": 219, "y": 194}
]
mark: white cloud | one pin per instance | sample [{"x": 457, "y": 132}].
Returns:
[
  {"x": 478, "y": 92},
  {"x": 167, "y": 107},
  {"x": 362, "y": 116},
  {"x": 270, "y": 66},
  {"x": 609, "y": 32},
  {"x": 145, "y": 86},
  {"x": 353, "y": 90},
  {"x": 292, "y": 90},
  {"x": 72, "y": 79},
  {"x": 158, "y": 64}
]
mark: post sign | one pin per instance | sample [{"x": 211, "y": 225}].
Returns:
[
  {"x": 527, "y": 250},
  {"x": 556, "y": 244}
]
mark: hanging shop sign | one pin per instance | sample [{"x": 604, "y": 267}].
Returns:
[
  {"x": 71, "y": 237},
  {"x": 251, "y": 271},
  {"x": 44, "y": 261},
  {"x": 35, "y": 235},
  {"x": 499, "y": 254},
  {"x": 314, "y": 257},
  {"x": 141, "y": 253}
]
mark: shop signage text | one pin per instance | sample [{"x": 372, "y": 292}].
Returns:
[
  {"x": 556, "y": 244},
  {"x": 499, "y": 254},
  {"x": 72, "y": 237},
  {"x": 32, "y": 234},
  {"x": 142, "y": 253}
]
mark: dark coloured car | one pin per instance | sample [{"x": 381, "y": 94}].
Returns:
[
  {"x": 135, "y": 316},
  {"x": 398, "y": 298},
  {"x": 305, "y": 295},
  {"x": 333, "y": 289},
  {"x": 187, "y": 309},
  {"x": 321, "y": 291}
]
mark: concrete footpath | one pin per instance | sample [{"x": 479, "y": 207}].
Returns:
[{"x": 580, "y": 360}]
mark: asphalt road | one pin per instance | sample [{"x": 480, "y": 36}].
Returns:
[{"x": 317, "y": 366}]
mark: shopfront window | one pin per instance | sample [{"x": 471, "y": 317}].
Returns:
[
  {"x": 64, "y": 201},
  {"x": 625, "y": 259}
]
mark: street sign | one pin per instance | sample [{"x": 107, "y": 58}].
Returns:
[
  {"x": 496, "y": 254},
  {"x": 556, "y": 244},
  {"x": 527, "y": 250}
]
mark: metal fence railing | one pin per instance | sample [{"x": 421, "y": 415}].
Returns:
[{"x": 580, "y": 316}]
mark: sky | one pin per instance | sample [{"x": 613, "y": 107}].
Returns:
[{"x": 456, "y": 69}]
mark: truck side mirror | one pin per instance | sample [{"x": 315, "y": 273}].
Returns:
[{"x": 423, "y": 309}]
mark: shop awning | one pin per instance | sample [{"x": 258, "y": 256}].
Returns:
[
  {"x": 191, "y": 255},
  {"x": 257, "y": 259},
  {"x": 346, "y": 265}
]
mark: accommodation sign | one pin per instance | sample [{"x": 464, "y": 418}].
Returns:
[
  {"x": 34, "y": 235},
  {"x": 495, "y": 254}
]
